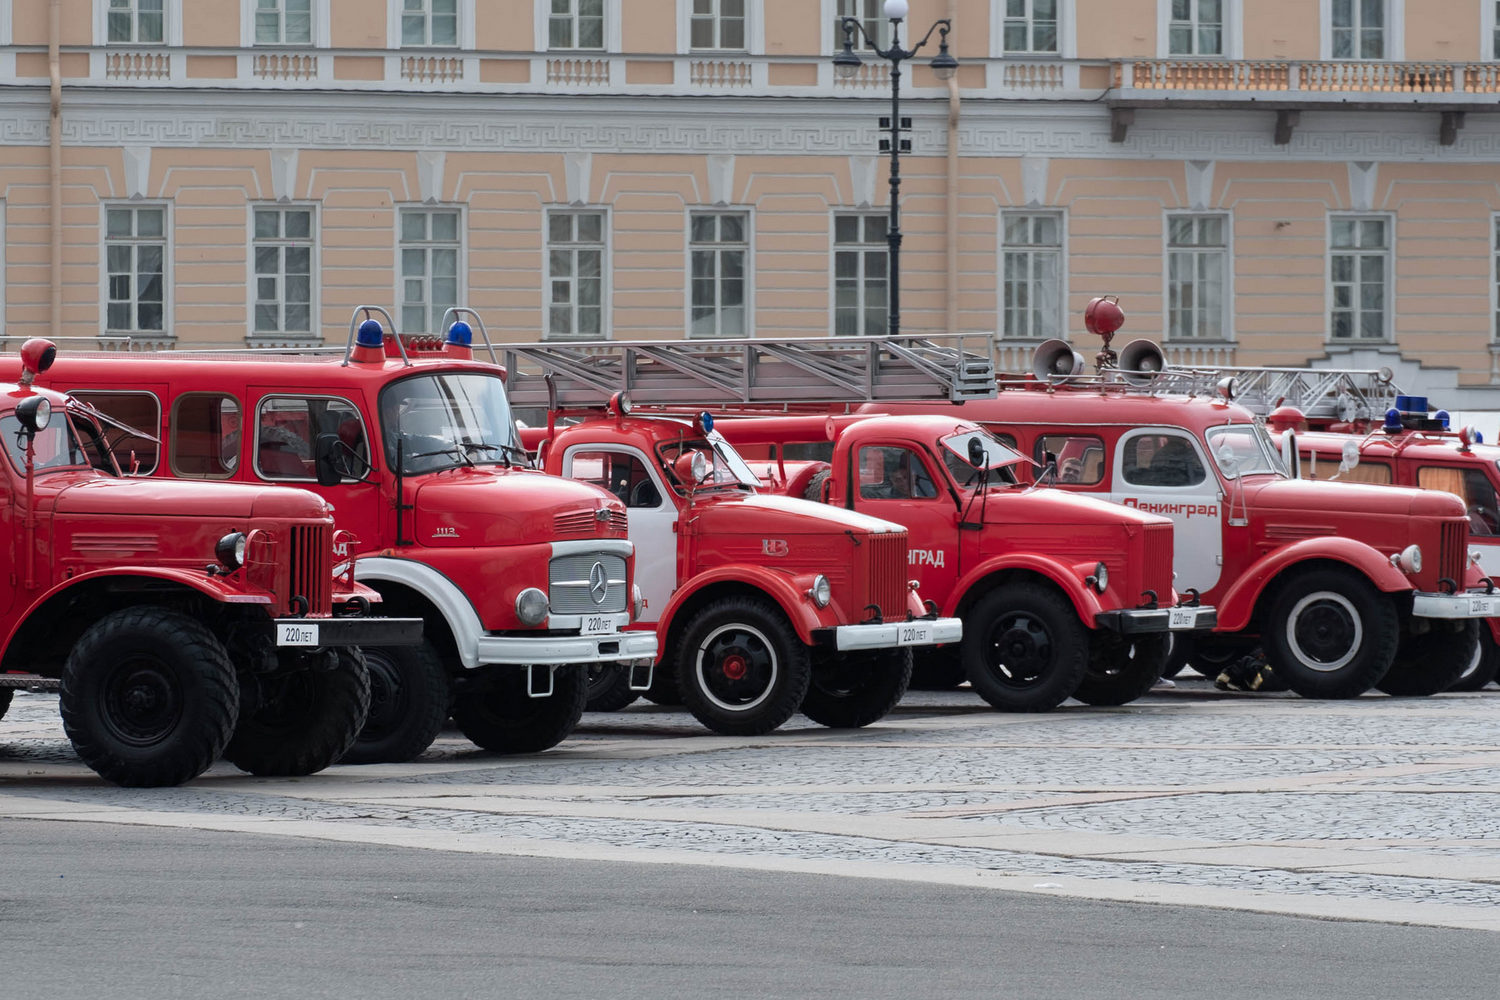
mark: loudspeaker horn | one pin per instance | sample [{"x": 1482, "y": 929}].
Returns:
[
  {"x": 1140, "y": 361},
  {"x": 1056, "y": 361}
]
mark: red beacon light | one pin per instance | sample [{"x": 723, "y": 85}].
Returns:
[
  {"x": 1286, "y": 418},
  {"x": 37, "y": 356},
  {"x": 1103, "y": 316},
  {"x": 369, "y": 343}
]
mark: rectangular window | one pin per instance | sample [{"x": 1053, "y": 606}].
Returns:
[
  {"x": 1495, "y": 31},
  {"x": 283, "y": 22},
  {"x": 1080, "y": 457},
  {"x": 137, "y": 455},
  {"x": 575, "y": 275},
  {"x": 1359, "y": 273},
  {"x": 205, "y": 438},
  {"x": 430, "y": 245},
  {"x": 861, "y": 267},
  {"x": 1495, "y": 275},
  {"x": 135, "y": 250},
  {"x": 870, "y": 15},
  {"x": 288, "y": 430},
  {"x": 1196, "y": 28},
  {"x": 1326, "y": 467},
  {"x": 718, "y": 24},
  {"x": 429, "y": 22},
  {"x": 1358, "y": 29},
  {"x": 1197, "y": 264},
  {"x": 139, "y": 21},
  {"x": 719, "y": 250},
  {"x": 283, "y": 251},
  {"x": 576, "y": 24},
  {"x": 1031, "y": 275},
  {"x": 1030, "y": 25}
]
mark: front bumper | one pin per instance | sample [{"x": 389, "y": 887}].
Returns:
[
  {"x": 1454, "y": 606},
  {"x": 1136, "y": 621},
  {"x": 557, "y": 650},
  {"x": 918, "y": 632},
  {"x": 356, "y": 631}
]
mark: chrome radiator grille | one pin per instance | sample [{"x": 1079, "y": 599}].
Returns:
[{"x": 574, "y": 582}]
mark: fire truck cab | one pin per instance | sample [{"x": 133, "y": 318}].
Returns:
[
  {"x": 1061, "y": 596},
  {"x": 522, "y": 579},
  {"x": 181, "y": 621}
]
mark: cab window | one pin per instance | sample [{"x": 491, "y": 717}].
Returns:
[
  {"x": 1161, "y": 460},
  {"x": 623, "y": 475},
  {"x": 1470, "y": 486},
  {"x": 1080, "y": 457},
  {"x": 894, "y": 473},
  {"x": 1326, "y": 468},
  {"x": 205, "y": 440},
  {"x": 287, "y": 430},
  {"x": 141, "y": 410}
]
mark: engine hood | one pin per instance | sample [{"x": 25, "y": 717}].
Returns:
[
  {"x": 1307, "y": 496},
  {"x": 760, "y": 513},
  {"x": 1057, "y": 508},
  {"x": 88, "y": 493},
  {"x": 495, "y": 506}
]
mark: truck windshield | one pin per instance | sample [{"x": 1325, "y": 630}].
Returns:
[
  {"x": 725, "y": 465},
  {"x": 56, "y": 446},
  {"x": 1244, "y": 450},
  {"x": 447, "y": 420}
]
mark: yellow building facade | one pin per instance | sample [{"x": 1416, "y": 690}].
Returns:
[{"x": 1261, "y": 182}]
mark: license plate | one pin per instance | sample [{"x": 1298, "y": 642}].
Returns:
[
  {"x": 1483, "y": 606},
  {"x": 597, "y": 625},
  {"x": 297, "y": 634},
  {"x": 1182, "y": 618},
  {"x": 914, "y": 635}
]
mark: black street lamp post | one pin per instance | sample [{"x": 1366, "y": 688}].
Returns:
[{"x": 846, "y": 64}]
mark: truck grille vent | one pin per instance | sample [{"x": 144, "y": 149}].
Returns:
[
  {"x": 585, "y": 522},
  {"x": 310, "y": 567},
  {"x": 571, "y": 580},
  {"x": 885, "y": 558},
  {"x": 1156, "y": 560},
  {"x": 1454, "y": 551}
]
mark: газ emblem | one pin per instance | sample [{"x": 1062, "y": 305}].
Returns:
[{"x": 598, "y": 583}]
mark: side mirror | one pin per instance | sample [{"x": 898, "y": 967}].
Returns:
[
  {"x": 326, "y": 461},
  {"x": 1349, "y": 457},
  {"x": 976, "y": 453},
  {"x": 1289, "y": 454}
]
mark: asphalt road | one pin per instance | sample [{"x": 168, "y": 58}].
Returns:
[{"x": 132, "y": 913}]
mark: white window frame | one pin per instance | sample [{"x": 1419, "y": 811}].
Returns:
[
  {"x": 1226, "y": 282},
  {"x": 1002, "y": 12},
  {"x": 168, "y": 253},
  {"x": 861, "y": 248},
  {"x": 322, "y": 28},
  {"x": 833, "y": 17},
  {"x": 461, "y": 291},
  {"x": 1232, "y": 40},
  {"x": 299, "y": 397},
  {"x": 604, "y": 272},
  {"x": 749, "y": 271},
  {"x": 613, "y": 30},
  {"x": 394, "y": 10},
  {"x": 1495, "y": 278},
  {"x": 1395, "y": 32},
  {"x": 171, "y": 30},
  {"x": 1067, "y": 39},
  {"x": 1389, "y": 319},
  {"x": 1062, "y": 273},
  {"x": 755, "y": 30},
  {"x": 1489, "y": 44},
  {"x": 312, "y": 333}
]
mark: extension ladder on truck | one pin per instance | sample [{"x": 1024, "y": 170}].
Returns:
[
  {"x": 751, "y": 372},
  {"x": 1322, "y": 394}
]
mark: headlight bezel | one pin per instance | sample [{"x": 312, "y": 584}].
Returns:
[
  {"x": 231, "y": 549},
  {"x": 1099, "y": 579},
  {"x": 821, "y": 591},
  {"x": 528, "y": 611}
]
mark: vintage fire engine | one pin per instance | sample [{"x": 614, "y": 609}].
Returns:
[
  {"x": 763, "y": 605},
  {"x": 1061, "y": 596},
  {"x": 521, "y": 578},
  {"x": 181, "y": 621},
  {"x": 1345, "y": 587}
]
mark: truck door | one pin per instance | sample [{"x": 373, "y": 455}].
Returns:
[
  {"x": 1474, "y": 488},
  {"x": 902, "y": 483},
  {"x": 652, "y": 514},
  {"x": 1161, "y": 470}
]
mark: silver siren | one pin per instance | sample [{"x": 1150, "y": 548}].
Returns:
[
  {"x": 1056, "y": 361},
  {"x": 1141, "y": 361}
]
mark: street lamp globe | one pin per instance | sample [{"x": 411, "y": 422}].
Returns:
[
  {"x": 944, "y": 66},
  {"x": 896, "y": 8}
]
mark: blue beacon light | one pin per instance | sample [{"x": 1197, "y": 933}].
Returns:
[
  {"x": 460, "y": 334},
  {"x": 706, "y": 421},
  {"x": 1442, "y": 417},
  {"x": 370, "y": 334},
  {"x": 1393, "y": 419}
]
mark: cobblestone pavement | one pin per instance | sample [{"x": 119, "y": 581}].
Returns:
[{"x": 1375, "y": 809}]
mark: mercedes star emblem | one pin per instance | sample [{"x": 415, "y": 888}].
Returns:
[{"x": 598, "y": 583}]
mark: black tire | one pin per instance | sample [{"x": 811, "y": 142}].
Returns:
[
  {"x": 1122, "y": 668},
  {"x": 1024, "y": 648},
  {"x": 409, "y": 696},
  {"x": 937, "y": 668},
  {"x": 741, "y": 668},
  {"x": 663, "y": 690},
  {"x": 6, "y": 694},
  {"x": 149, "y": 697},
  {"x": 1179, "y": 654},
  {"x": 814, "y": 489},
  {"x": 305, "y": 718},
  {"x": 1330, "y": 634},
  {"x": 1432, "y": 662},
  {"x": 850, "y": 690},
  {"x": 1483, "y": 665},
  {"x": 500, "y": 716},
  {"x": 609, "y": 688},
  {"x": 1211, "y": 655}
]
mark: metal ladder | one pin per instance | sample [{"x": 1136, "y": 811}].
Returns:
[
  {"x": 720, "y": 373},
  {"x": 1322, "y": 394}
]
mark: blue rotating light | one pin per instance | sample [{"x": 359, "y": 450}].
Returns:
[
  {"x": 1393, "y": 419},
  {"x": 370, "y": 334},
  {"x": 706, "y": 421},
  {"x": 1441, "y": 416},
  {"x": 1478, "y": 438},
  {"x": 460, "y": 334}
]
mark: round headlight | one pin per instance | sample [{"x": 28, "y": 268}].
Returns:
[
  {"x": 230, "y": 550},
  {"x": 637, "y": 602},
  {"x": 1101, "y": 577},
  {"x": 34, "y": 412},
  {"x": 700, "y": 467},
  {"x": 821, "y": 591},
  {"x": 1409, "y": 560},
  {"x": 531, "y": 606}
]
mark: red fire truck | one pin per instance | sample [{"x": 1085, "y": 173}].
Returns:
[
  {"x": 1345, "y": 587},
  {"x": 522, "y": 579},
  {"x": 180, "y": 621},
  {"x": 1061, "y": 596},
  {"x": 763, "y": 605}
]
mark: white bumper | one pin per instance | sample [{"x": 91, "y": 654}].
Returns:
[
  {"x": 549, "y": 650},
  {"x": 921, "y": 632},
  {"x": 1455, "y": 605}
]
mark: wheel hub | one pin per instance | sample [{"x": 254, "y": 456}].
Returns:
[
  {"x": 735, "y": 667},
  {"x": 141, "y": 705},
  {"x": 1021, "y": 651}
]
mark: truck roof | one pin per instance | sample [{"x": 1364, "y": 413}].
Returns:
[
  {"x": 1097, "y": 407},
  {"x": 1420, "y": 447},
  {"x": 323, "y": 371}
]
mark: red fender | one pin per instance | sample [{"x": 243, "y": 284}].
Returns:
[
  {"x": 1085, "y": 601},
  {"x": 789, "y": 592},
  {"x": 1238, "y": 602}
]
